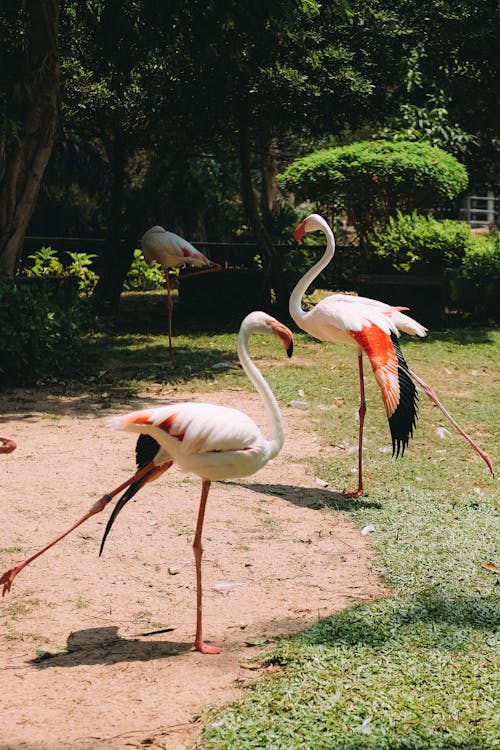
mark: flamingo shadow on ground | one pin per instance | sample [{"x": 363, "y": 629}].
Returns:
[
  {"x": 308, "y": 497},
  {"x": 103, "y": 645}
]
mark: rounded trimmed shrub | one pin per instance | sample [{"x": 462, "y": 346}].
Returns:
[{"x": 372, "y": 180}]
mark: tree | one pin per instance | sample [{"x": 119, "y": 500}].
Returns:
[
  {"x": 28, "y": 116},
  {"x": 108, "y": 77},
  {"x": 264, "y": 73},
  {"x": 449, "y": 86}
]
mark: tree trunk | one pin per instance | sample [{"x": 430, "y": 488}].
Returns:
[
  {"x": 269, "y": 172},
  {"x": 25, "y": 164},
  {"x": 117, "y": 254},
  {"x": 274, "y": 274}
]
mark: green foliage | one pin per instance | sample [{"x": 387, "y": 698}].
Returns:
[
  {"x": 414, "y": 242},
  {"x": 481, "y": 262},
  {"x": 426, "y": 116},
  {"x": 39, "y": 337},
  {"x": 372, "y": 180},
  {"x": 80, "y": 268},
  {"x": 142, "y": 276},
  {"x": 46, "y": 264}
]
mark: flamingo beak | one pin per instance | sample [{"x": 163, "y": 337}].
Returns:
[
  {"x": 285, "y": 336},
  {"x": 300, "y": 231}
]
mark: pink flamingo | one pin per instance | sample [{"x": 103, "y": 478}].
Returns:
[
  {"x": 213, "y": 442},
  {"x": 373, "y": 328},
  {"x": 172, "y": 251}
]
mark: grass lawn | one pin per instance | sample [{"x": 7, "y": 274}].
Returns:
[{"x": 418, "y": 670}]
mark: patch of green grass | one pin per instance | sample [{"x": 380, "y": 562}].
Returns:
[{"x": 418, "y": 670}]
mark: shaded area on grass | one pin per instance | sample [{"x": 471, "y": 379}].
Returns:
[{"x": 386, "y": 675}]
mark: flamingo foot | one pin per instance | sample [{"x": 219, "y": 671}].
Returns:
[
  {"x": 7, "y": 445},
  {"x": 206, "y": 648},
  {"x": 7, "y": 579},
  {"x": 354, "y": 493}
]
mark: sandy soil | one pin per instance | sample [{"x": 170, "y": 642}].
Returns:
[{"x": 276, "y": 559}]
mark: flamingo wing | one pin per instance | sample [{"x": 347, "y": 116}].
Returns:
[
  {"x": 399, "y": 393},
  {"x": 351, "y": 302},
  {"x": 192, "y": 428},
  {"x": 147, "y": 451},
  {"x": 334, "y": 317}
]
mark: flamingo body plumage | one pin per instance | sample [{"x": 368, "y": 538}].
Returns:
[
  {"x": 214, "y": 442},
  {"x": 170, "y": 250}
]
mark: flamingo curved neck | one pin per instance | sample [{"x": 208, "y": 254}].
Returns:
[
  {"x": 276, "y": 436},
  {"x": 295, "y": 305}
]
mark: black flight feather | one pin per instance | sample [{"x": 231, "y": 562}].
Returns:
[
  {"x": 145, "y": 450},
  {"x": 402, "y": 422}
]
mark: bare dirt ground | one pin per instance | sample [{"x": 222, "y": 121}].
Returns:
[{"x": 276, "y": 559}]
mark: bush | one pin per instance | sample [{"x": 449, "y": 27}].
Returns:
[
  {"x": 39, "y": 338},
  {"x": 46, "y": 263},
  {"x": 413, "y": 242},
  {"x": 142, "y": 277},
  {"x": 481, "y": 262},
  {"x": 372, "y": 180}
]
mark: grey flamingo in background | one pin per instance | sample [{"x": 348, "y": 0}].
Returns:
[
  {"x": 172, "y": 251},
  {"x": 373, "y": 328},
  {"x": 213, "y": 442}
]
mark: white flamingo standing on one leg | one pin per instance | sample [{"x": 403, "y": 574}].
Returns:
[
  {"x": 372, "y": 327},
  {"x": 172, "y": 251},
  {"x": 213, "y": 442}
]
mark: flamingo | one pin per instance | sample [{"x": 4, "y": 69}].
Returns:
[
  {"x": 172, "y": 251},
  {"x": 373, "y": 328},
  {"x": 213, "y": 442},
  {"x": 7, "y": 445}
]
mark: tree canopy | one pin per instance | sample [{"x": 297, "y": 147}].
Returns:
[{"x": 183, "y": 113}]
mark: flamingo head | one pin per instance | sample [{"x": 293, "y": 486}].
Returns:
[
  {"x": 262, "y": 323},
  {"x": 311, "y": 223}
]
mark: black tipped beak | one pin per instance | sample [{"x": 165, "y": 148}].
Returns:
[{"x": 289, "y": 349}]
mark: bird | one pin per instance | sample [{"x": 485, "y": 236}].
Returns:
[
  {"x": 373, "y": 329},
  {"x": 172, "y": 251},
  {"x": 211, "y": 441},
  {"x": 7, "y": 445}
]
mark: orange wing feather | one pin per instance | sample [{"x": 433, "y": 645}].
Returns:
[
  {"x": 380, "y": 350},
  {"x": 391, "y": 373}
]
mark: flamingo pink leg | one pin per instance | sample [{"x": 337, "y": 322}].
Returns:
[
  {"x": 214, "y": 267},
  {"x": 169, "y": 307},
  {"x": 199, "y": 645},
  {"x": 430, "y": 393},
  {"x": 362, "y": 411},
  {"x": 8, "y": 577}
]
